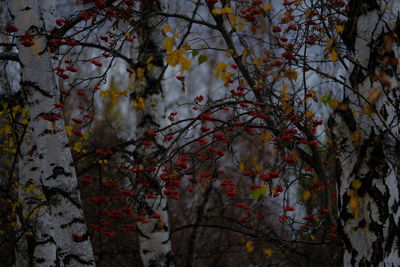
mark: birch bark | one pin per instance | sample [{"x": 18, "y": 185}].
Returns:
[
  {"x": 155, "y": 243},
  {"x": 59, "y": 182},
  {"x": 366, "y": 137},
  {"x": 36, "y": 243}
]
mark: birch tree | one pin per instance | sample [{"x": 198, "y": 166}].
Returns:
[
  {"x": 64, "y": 239},
  {"x": 366, "y": 136},
  {"x": 154, "y": 237},
  {"x": 36, "y": 246}
]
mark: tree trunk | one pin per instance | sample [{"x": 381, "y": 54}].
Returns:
[
  {"x": 366, "y": 137},
  {"x": 194, "y": 236},
  {"x": 155, "y": 243},
  {"x": 36, "y": 244},
  {"x": 58, "y": 177}
]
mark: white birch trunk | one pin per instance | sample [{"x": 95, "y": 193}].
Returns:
[
  {"x": 368, "y": 187},
  {"x": 59, "y": 182},
  {"x": 36, "y": 242},
  {"x": 155, "y": 243}
]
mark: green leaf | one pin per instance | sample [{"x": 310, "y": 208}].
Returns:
[
  {"x": 195, "y": 52},
  {"x": 5, "y": 106},
  {"x": 259, "y": 192},
  {"x": 202, "y": 59},
  {"x": 326, "y": 99}
]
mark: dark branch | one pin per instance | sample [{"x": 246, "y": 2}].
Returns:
[{"x": 60, "y": 32}]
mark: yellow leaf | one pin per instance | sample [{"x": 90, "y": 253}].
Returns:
[
  {"x": 169, "y": 44},
  {"x": 368, "y": 109},
  {"x": 286, "y": 108},
  {"x": 167, "y": 28},
  {"x": 240, "y": 27},
  {"x": 354, "y": 204},
  {"x": 28, "y": 233},
  {"x": 328, "y": 44},
  {"x": 221, "y": 66},
  {"x": 140, "y": 73},
  {"x": 367, "y": 226},
  {"x": 308, "y": 12},
  {"x": 226, "y": 10},
  {"x": 233, "y": 17},
  {"x": 388, "y": 42},
  {"x": 221, "y": 11},
  {"x": 15, "y": 109},
  {"x": 277, "y": 77},
  {"x": 249, "y": 246},
  {"x": 114, "y": 98},
  {"x": 229, "y": 53},
  {"x": 356, "y": 138},
  {"x": 149, "y": 65},
  {"x": 291, "y": 74},
  {"x": 334, "y": 103},
  {"x": 6, "y": 129},
  {"x": 306, "y": 195},
  {"x": 225, "y": 76},
  {"x": 374, "y": 94},
  {"x": 29, "y": 188},
  {"x": 105, "y": 93},
  {"x": 69, "y": 130},
  {"x": 267, "y": 7},
  {"x": 258, "y": 167},
  {"x": 257, "y": 61},
  {"x": 185, "y": 64},
  {"x": 173, "y": 58},
  {"x": 150, "y": 59},
  {"x": 266, "y": 137},
  {"x": 284, "y": 96},
  {"x": 309, "y": 114},
  {"x": 246, "y": 53},
  {"x": 339, "y": 28},
  {"x": 254, "y": 159},
  {"x": 268, "y": 252},
  {"x": 77, "y": 146},
  {"x": 329, "y": 143},
  {"x": 334, "y": 55},
  {"x": 356, "y": 183},
  {"x": 139, "y": 103},
  {"x": 241, "y": 166}
]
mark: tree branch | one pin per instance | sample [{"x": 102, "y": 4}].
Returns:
[{"x": 60, "y": 32}]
